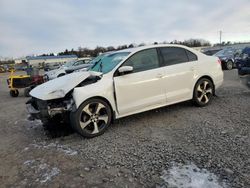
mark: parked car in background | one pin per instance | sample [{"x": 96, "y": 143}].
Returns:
[
  {"x": 9, "y": 67},
  {"x": 2, "y": 69},
  {"x": 227, "y": 57},
  {"x": 68, "y": 67},
  {"x": 243, "y": 62},
  {"x": 21, "y": 67},
  {"x": 79, "y": 64},
  {"x": 93, "y": 62},
  {"x": 50, "y": 66},
  {"x": 211, "y": 52},
  {"x": 126, "y": 82},
  {"x": 243, "y": 66}
]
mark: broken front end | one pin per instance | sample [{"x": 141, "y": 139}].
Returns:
[
  {"x": 53, "y": 100},
  {"x": 57, "y": 110}
]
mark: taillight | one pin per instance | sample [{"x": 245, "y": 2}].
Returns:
[{"x": 219, "y": 61}]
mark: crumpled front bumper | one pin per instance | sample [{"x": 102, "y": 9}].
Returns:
[
  {"x": 45, "y": 110},
  {"x": 35, "y": 114},
  {"x": 37, "y": 109}
]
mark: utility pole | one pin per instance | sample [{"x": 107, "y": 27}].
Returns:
[{"x": 220, "y": 36}]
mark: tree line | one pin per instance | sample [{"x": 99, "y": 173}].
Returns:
[{"x": 84, "y": 52}]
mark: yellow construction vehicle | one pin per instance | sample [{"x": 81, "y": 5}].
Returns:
[{"x": 27, "y": 82}]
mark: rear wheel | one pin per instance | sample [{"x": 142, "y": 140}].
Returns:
[
  {"x": 203, "y": 92},
  {"x": 14, "y": 93},
  {"x": 92, "y": 118},
  {"x": 229, "y": 65}
]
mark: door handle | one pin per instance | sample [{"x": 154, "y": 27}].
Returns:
[
  {"x": 192, "y": 68},
  {"x": 159, "y": 75}
]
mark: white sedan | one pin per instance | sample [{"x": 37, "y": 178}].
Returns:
[{"x": 126, "y": 82}]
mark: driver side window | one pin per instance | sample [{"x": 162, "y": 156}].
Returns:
[{"x": 143, "y": 60}]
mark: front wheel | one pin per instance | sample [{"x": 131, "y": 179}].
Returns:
[
  {"x": 203, "y": 92},
  {"x": 60, "y": 75},
  {"x": 14, "y": 93},
  {"x": 92, "y": 118}
]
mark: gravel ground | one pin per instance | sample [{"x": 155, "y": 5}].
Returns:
[{"x": 143, "y": 150}]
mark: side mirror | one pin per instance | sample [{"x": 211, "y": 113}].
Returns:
[{"x": 125, "y": 69}]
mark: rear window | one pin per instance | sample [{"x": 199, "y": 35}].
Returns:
[
  {"x": 173, "y": 55},
  {"x": 191, "y": 56}
]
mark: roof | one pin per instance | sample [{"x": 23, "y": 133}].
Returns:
[
  {"x": 136, "y": 49},
  {"x": 52, "y": 57}
]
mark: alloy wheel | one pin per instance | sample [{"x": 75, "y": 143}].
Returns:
[
  {"x": 229, "y": 65},
  {"x": 94, "y": 118},
  {"x": 204, "y": 92}
]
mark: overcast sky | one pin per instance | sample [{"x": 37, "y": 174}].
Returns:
[{"x": 44, "y": 26}]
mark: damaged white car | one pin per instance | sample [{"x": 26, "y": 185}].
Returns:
[{"x": 126, "y": 82}]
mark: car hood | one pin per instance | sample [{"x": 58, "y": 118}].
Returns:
[
  {"x": 78, "y": 67},
  {"x": 59, "y": 87}
]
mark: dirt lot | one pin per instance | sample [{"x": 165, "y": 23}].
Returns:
[{"x": 144, "y": 150}]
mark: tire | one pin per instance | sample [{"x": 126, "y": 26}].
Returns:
[
  {"x": 203, "y": 92},
  {"x": 229, "y": 65},
  {"x": 46, "y": 78},
  {"x": 14, "y": 93},
  {"x": 240, "y": 72},
  {"x": 62, "y": 74},
  {"x": 92, "y": 118},
  {"x": 27, "y": 92}
]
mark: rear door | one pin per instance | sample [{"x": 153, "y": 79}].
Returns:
[
  {"x": 179, "y": 65},
  {"x": 143, "y": 88}
]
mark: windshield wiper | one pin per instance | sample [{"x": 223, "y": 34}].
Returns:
[
  {"x": 100, "y": 68},
  {"x": 96, "y": 63}
]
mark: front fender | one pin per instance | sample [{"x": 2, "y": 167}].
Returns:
[{"x": 103, "y": 88}]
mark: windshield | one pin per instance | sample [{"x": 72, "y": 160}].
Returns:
[
  {"x": 105, "y": 63},
  {"x": 95, "y": 60},
  {"x": 68, "y": 64}
]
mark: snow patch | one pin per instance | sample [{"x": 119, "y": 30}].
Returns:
[
  {"x": 61, "y": 148},
  {"x": 26, "y": 149},
  {"x": 29, "y": 162},
  {"x": 31, "y": 124},
  {"x": 41, "y": 170},
  {"x": 190, "y": 176},
  {"x": 49, "y": 175}
]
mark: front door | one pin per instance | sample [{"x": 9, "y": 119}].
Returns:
[{"x": 143, "y": 88}]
